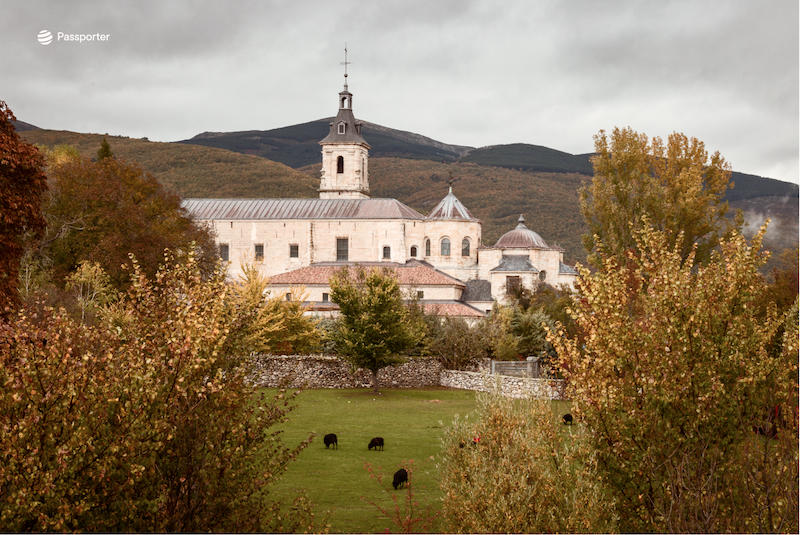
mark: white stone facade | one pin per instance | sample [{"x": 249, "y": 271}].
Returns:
[{"x": 345, "y": 226}]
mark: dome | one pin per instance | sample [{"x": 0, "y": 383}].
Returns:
[{"x": 521, "y": 237}]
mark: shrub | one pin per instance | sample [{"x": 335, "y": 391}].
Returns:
[
  {"x": 516, "y": 469},
  {"x": 141, "y": 423}
]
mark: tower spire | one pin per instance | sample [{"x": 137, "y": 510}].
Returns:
[{"x": 345, "y": 63}]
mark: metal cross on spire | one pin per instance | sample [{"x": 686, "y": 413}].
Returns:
[{"x": 345, "y": 63}]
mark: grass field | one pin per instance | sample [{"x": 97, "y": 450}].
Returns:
[{"x": 410, "y": 421}]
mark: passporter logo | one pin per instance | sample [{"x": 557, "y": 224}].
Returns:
[{"x": 45, "y": 37}]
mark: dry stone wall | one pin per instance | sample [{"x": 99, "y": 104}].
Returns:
[
  {"x": 513, "y": 387},
  {"x": 326, "y": 371}
]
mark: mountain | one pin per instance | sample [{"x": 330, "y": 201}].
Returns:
[
  {"x": 496, "y": 183},
  {"x": 298, "y": 145},
  {"x": 190, "y": 170}
]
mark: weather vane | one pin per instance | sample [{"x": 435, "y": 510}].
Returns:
[{"x": 345, "y": 63}]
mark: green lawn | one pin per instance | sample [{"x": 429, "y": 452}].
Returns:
[{"x": 410, "y": 421}]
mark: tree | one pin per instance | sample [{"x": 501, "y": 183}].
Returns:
[
  {"x": 143, "y": 422},
  {"x": 677, "y": 186},
  {"x": 374, "y": 327},
  {"x": 690, "y": 394},
  {"x": 22, "y": 184},
  {"x": 455, "y": 343},
  {"x": 104, "y": 151},
  {"x": 514, "y": 469},
  {"x": 272, "y": 324},
  {"x": 101, "y": 212}
]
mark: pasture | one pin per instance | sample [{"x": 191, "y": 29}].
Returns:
[{"x": 410, "y": 421}]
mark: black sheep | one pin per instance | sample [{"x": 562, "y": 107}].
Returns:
[
  {"x": 400, "y": 477},
  {"x": 375, "y": 442},
  {"x": 567, "y": 419},
  {"x": 330, "y": 439}
]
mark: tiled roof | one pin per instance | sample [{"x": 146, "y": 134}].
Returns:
[
  {"x": 205, "y": 209},
  {"x": 451, "y": 308},
  {"x": 515, "y": 263},
  {"x": 451, "y": 208},
  {"x": 411, "y": 274}
]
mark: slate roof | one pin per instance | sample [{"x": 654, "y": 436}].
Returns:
[
  {"x": 515, "y": 263},
  {"x": 352, "y": 133},
  {"x": 410, "y": 274},
  {"x": 204, "y": 209},
  {"x": 477, "y": 290},
  {"x": 451, "y": 208},
  {"x": 566, "y": 269}
]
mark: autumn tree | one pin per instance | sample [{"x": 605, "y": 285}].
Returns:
[
  {"x": 374, "y": 328},
  {"x": 689, "y": 393},
  {"x": 22, "y": 184},
  {"x": 144, "y": 422},
  {"x": 101, "y": 212},
  {"x": 677, "y": 186},
  {"x": 271, "y": 323}
]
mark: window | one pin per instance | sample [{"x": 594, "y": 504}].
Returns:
[
  {"x": 325, "y": 297},
  {"x": 341, "y": 249},
  {"x": 340, "y": 164},
  {"x": 513, "y": 284},
  {"x": 259, "y": 252},
  {"x": 341, "y": 128},
  {"x": 387, "y": 253},
  {"x": 224, "y": 251},
  {"x": 294, "y": 251},
  {"x": 445, "y": 247},
  {"x": 542, "y": 275},
  {"x": 465, "y": 247},
  {"x": 413, "y": 251},
  {"x": 289, "y": 296},
  {"x": 427, "y": 247},
  {"x": 420, "y": 295}
]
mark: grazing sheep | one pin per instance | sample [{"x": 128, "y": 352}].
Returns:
[
  {"x": 330, "y": 439},
  {"x": 375, "y": 442},
  {"x": 400, "y": 477},
  {"x": 567, "y": 419}
]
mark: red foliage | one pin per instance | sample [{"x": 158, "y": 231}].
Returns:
[{"x": 22, "y": 183}]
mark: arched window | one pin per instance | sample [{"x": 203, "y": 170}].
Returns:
[
  {"x": 413, "y": 251},
  {"x": 445, "y": 247},
  {"x": 465, "y": 247},
  {"x": 340, "y": 164},
  {"x": 542, "y": 275},
  {"x": 427, "y": 247},
  {"x": 387, "y": 253}
]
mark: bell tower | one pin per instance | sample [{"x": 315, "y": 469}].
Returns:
[{"x": 345, "y": 153}]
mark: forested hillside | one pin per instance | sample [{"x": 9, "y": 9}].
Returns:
[
  {"x": 191, "y": 170},
  {"x": 497, "y": 193}
]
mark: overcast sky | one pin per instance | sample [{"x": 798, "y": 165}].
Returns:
[{"x": 476, "y": 73}]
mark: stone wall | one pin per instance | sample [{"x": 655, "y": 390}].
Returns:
[
  {"x": 513, "y": 387},
  {"x": 325, "y": 371}
]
